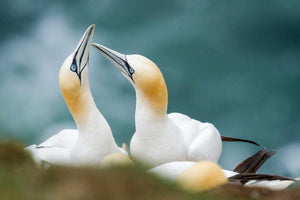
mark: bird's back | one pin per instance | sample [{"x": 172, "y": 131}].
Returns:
[
  {"x": 56, "y": 149},
  {"x": 203, "y": 140}
]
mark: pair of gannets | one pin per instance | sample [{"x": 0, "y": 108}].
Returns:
[{"x": 159, "y": 137}]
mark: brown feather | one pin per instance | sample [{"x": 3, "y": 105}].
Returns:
[
  {"x": 253, "y": 163},
  {"x": 231, "y": 139},
  {"x": 245, "y": 177}
]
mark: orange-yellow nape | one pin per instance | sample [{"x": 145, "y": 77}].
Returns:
[
  {"x": 204, "y": 175},
  {"x": 69, "y": 82},
  {"x": 143, "y": 74},
  {"x": 71, "y": 89},
  {"x": 149, "y": 82}
]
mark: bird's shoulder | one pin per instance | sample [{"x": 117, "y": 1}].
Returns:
[
  {"x": 179, "y": 117},
  {"x": 66, "y": 138},
  {"x": 191, "y": 128}
]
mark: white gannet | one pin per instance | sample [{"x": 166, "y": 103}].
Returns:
[
  {"x": 93, "y": 140},
  {"x": 250, "y": 165},
  {"x": 174, "y": 170},
  {"x": 244, "y": 172},
  {"x": 162, "y": 137}
]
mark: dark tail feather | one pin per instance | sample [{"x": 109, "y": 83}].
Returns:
[
  {"x": 245, "y": 177},
  {"x": 231, "y": 139},
  {"x": 253, "y": 163}
]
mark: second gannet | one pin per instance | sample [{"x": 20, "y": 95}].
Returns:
[
  {"x": 162, "y": 137},
  {"x": 250, "y": 165},
  {"x": 93, "y": 140},
  {"x": 244, "y": 173},
  {"x": 173, "y": 170}
]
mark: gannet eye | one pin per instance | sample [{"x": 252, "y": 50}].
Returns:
[
  {"x": 73, "y": 67},
  {"x": 131, "y": 70}
]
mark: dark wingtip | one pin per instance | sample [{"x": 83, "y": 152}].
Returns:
[
  {"x": 232, "y": 139},
  {"x": 254, "y": 162},
  {"x": 245, "y": 177}
]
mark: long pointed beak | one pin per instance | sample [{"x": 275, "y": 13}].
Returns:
[
  {"x": 118, "y": 59},
  {"x": 81, "y": 53}
]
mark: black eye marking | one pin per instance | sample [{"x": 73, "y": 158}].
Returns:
[
  {"x": 73, "y": 67},
  {"x": 131, "y": 70}
]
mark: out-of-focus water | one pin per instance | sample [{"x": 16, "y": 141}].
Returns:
[{"x": 233, "y": 63}]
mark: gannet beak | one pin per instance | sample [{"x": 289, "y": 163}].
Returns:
[
  {"x": 81, "y": 53},
  {"x": 118, "y": 59}
]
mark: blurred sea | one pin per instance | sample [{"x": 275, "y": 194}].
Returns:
[{"x": 232, "y": 63}]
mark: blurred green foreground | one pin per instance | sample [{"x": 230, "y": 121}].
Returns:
[{"x": 21, "y": 179}]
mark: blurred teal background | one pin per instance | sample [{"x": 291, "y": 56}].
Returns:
[{"x": 232, "y": 63}]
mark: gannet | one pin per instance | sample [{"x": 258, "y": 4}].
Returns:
[
  {"x": 93, "y": 139},
  {"x": 244, "y": 173},
  {"x": 250, "y": 165},
  {"x": 161, "y": 137},
  {"x": 173, "y": 170}
]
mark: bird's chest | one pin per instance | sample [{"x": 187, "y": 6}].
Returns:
[{"x": 157, "y": 150}]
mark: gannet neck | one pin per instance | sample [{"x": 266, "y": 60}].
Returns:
[
  {"x": 84, "y": 111},
  {"x": 80, "y": 102},
  {"x": 80, "y": 106},
  {"x": 94, "y": 131},
  {"x": 76, "y": 93},
  {"x": 145, "y": 111},
  {"x": 149, "y": 84}
]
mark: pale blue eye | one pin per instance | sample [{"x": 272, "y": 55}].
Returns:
[
  {"x": 131, "y": 70},
  {"x": 73, "y": 67}
]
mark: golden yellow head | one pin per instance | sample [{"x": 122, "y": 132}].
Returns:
[
  {"x": 204, "y": 175},
  {"x": 69, "y": 81},
  {"x": 73, "y": 74},
  {"x": 144, "y": 75},
  {"x": 149, "y": 81}
]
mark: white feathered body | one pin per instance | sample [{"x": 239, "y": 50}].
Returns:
[
  {"x": 174, "y": 137},
  {"x": 172, "y": 170}
]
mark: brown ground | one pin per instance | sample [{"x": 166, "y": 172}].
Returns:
[{"x": 21, "y": 179}]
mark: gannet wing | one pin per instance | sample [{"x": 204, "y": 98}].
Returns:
[
  {"x": 273, "y": 185},
  {"x": 207, "y": 145},
  {"x": 202, "y": 139},
  {"x": 253, "y": 163},
  {"x": 51, "y": 155},
  {"x": 273, "y": 182},
  {"x": 66, "y": 138},
  {"x": 55, "y": 150}
]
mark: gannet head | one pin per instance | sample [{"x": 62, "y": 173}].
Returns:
[
  {"x": 204, "y": 175},
  {"x": 143, "y": 74},
  {"x": 73, "y": 75}
]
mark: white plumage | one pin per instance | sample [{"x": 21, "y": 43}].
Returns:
[
  {"x": 162, "y": 137},
  {"x": 93, "y": 140},
  {"x": 172, "y": 170}
]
